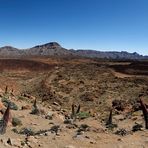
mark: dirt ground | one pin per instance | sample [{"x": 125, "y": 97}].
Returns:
[{"x": 59, "y": 83}]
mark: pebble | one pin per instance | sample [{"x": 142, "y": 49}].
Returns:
[
  {"x": 26, "y": 107},
  {"x": 92, "y": 142},
  {"x": 87, "y": 137},
  {"x": 119, "y": 139}
]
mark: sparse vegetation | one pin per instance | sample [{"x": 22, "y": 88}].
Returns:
[
  {"x": 6, "y": 89},
  {"x": 4, "y": 121},
  {"x": 145, "y": 113},
  {"x": 7, "y": 102},
  {"x": 109, "y": 121},
  {"x": 109, "y": 124},
  {"x": 26, "y": 131},
  {"x": 75, "y": 113},
  {"x": 137, "y": 127},
  {"x": 35, "y": 110},
  {"x": 83, "y": 115},
  {"x": 121, "y": 132},
  {"x": 16, "y": 121},
  {"x": 50, "y": 94}
]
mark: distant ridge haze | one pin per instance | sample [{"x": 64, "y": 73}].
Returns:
[{"x": 55, "y": 49}]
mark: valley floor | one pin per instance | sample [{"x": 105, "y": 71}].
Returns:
[{"x": 60, "y": 83}]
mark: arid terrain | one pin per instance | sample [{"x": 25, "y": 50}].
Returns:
[{"x": 55, "y": 86}]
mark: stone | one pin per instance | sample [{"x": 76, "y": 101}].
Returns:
[
  {"x": 55, "y": 103},
  {"x": 9, "y": 141},
  {"x": 87, "y": 137},
  {"x": 119, "y": 139},
  {"x": 71, "y": 126},
  {"x": 49, "y": 116},
  {"x": 92, "y": 142},
  {"x": 26, "y": 107},
  {"x": 28, "y": 96}
]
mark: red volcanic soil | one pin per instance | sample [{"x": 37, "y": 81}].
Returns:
[{"x": 24, "y": 64}]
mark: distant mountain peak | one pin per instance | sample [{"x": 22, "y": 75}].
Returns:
[
  {"x": 8, "y": 47},
  {"x": 50, "y": 45},
  {"x": 55, "y": 49}
]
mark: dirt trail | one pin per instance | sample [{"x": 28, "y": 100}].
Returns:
[{"x": 121, "y": 75}]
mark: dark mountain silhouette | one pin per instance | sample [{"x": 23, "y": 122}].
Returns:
[{"x": 55, "y": 49}]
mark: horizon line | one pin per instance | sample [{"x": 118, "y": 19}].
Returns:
[{"x": 101, "y": 50}]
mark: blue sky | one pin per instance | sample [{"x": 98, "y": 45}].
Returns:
[{"x": 107, "y": 25}]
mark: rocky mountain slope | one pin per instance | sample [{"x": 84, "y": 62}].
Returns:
[
  {"x": 8, "y": 51},
  {"x": 49, "y": 49},
  {"x": 55, "y": 49},
  {"x": 109, "y": 55}
]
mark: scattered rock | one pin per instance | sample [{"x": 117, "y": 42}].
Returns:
[
  {"x": 55, "y": 103},
  {"x": 121, "y": 132},
  {"x": 136, "y": 106},
  {"x": 119, "y": 139},
  {"x": 9, "y": 141},
  {"x": 49, "y": 116},
  {"x": 26, "y": 107},
  {"x": 92, "y": 142},
  {"x": 83, "y": 128},
  {"x": 51, "y": 123},
  {"x": 68, "y": 120},
  {"x": 87, "y": 137},
  {"x": 28, "y": 96},
  {"x": 27, "y": 131},
  {"x": 55, "y": 129},
  {"x": 137, "y": 127},
  {"x": 71, "y": 126}
]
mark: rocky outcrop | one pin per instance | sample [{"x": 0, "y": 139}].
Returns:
[{"x": 49, "y": 49}]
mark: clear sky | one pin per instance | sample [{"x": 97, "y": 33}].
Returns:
[{"x": 117, "y": 25}]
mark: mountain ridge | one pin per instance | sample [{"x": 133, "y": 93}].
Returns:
[{"x": 55, "y": 49}]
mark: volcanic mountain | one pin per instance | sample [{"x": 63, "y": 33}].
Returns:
[{"x": 55, "y": 49}]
